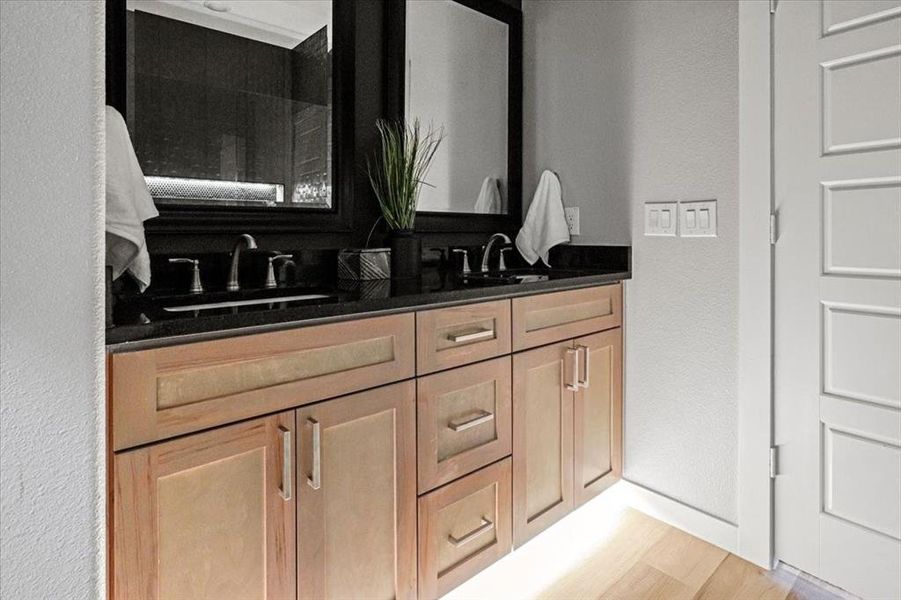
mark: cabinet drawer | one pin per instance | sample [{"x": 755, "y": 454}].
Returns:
[
  {"x": 464, "y": 420},
  {"x": 450, "y": 337},
  {"x": 463, "y": 528},
  {"x": 548, "y": 318},
  {"x": 165, "y": 392}
]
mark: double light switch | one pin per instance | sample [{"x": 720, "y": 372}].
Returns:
[{"x": 687, "y": 219}]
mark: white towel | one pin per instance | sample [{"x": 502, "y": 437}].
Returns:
[
  {"x": 545, "y": 225},
  {"x": 489, "y": 200},
  {"x": 128, "y": 204}
]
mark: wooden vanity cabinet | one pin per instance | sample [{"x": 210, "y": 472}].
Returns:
[
  {"x": 356, "y": 458},
  {"x": 210, "y": 515},
  {"x": 567, "y": 428}
]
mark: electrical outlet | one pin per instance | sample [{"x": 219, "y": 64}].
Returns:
[
  {"x": 697, "y": 218},
  {"x": 660, "y": 219},
  {"x": 572, "y": 219}
]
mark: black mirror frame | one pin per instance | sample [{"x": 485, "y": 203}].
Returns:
[
  {"x": 395, "y": 60},
  {"x": 337, "y": 219}
]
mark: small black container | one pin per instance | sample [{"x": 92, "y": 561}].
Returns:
[{"x": 406, "y": 254}]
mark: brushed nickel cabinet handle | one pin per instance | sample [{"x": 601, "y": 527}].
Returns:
[
  {"x": 286, "y": 491},
  {"x": 486, "y": 525},
  {"x": 573, "y": 355},
  {"x": 585, "y": 366},
  {"x": 459, "y": 338},
  {"x": 315, "y": 479},
  {"x": 482, "y": 416}
]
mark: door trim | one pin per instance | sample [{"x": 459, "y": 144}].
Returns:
[{"x": 755, "y": 360}]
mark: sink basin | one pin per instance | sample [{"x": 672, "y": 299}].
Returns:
[
  {"x": 504, "y": 278},
  {"x": 250, "y": 302}
]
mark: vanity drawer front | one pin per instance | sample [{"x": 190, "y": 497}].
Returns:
[
  {"x": 166, "y": 392},
  {"x": 464, "y": 420},
  {"x": 463, "y": 528},
  {"x": 450, "y": 337},
  {"x": 548, "y": 318}
]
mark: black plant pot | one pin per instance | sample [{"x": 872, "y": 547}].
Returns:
[{"x": 406, "y": 254}]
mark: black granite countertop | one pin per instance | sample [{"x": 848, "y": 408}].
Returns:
[{"x": 146, "y": 323}]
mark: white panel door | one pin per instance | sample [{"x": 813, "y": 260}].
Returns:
[{"x": 837, "y": 373}]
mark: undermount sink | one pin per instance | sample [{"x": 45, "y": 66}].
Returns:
[
  {"x": 505, "y": 277},
  {"x": 250, "y": 302}
]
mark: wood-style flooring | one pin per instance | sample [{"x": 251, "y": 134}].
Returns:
[{"x": 635, "y": 557}]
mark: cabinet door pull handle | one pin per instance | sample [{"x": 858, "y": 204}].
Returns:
[
  {"x": 573, "y": 355},
  {"x": 287, "y": 488},
  {"x": 315, "y": 480},
  {"x": 459, "y": 338},
  {"x": 585, "y": 367},
  {"x": 486, "y": 525},
  {"x": 482, "y": 416}
]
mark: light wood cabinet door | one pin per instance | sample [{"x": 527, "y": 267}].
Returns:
[
  {"x": 464, "y": 421},
  {"x": 542, "y": 438},
  {"x": 598, "y": 414},
  {"x": 357, "y": 496},
  {"x": 164, "y": 392},
  {"x": 547, "y": 318},
  {"x": 211, "y": 515},
  {"x": 464, "y": 527}
]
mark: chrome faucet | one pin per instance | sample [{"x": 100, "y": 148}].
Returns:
[
  {"x": 247, "y": 242},
  {"x": 487, "y": 252}
]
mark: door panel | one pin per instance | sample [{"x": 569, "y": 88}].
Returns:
[
  {"x": 357, "y": 511},
  {"x": 542, "y": 438},
  {"x": 210, "y": 515},
  {"x": 597, "y": 413},
  {"x": 837, "y": 284}
]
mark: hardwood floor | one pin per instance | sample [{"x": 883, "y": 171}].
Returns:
[{"x": 634, "y": 557}]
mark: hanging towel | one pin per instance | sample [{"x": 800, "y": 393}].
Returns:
[
  {"x": 545, "y": 225},
  {"x": 128, "y": 204},
  {"x": 489, "y": 201}
]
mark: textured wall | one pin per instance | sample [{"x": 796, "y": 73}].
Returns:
[
  {"x": 51, "y": 301},
  {"x": 635, "y": 102}
]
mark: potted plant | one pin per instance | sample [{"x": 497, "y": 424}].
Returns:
[{"x": 396, "y": 176}]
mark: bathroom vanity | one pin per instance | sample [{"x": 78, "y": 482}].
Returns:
[{"x": 385, "y": 453}]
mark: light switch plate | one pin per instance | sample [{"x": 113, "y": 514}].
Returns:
[
  {"x": 660, "y": 218},
  {"x": 697, "y": 218},
  {"x": 572, "y": 219}
]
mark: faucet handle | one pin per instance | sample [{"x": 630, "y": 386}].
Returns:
[
  {"x": 502, "y": 266},
  {"x": 466, "y": 269},
  {"x": 270, "y": 271},
  {"x": 196, "y": 285}
]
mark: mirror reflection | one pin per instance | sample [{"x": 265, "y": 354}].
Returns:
[
  {"x": 457, "y": 78},
  {"x": 229, "y": 101}
]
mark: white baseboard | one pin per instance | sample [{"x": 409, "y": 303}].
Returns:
[{"x": 691, "y": 520}]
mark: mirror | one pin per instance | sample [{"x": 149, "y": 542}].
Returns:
[
  {"x": 229, "y": 102},
  {"x": 457, "y": 77}
]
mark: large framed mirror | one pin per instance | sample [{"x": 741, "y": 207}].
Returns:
[
  {"x": 457, "y": 66},
  {"x": 240, "y": 111}
]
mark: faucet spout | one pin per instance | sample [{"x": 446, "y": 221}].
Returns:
[
  {"x": 487, "y": 253},
  {"x": 244, "y": 241}
]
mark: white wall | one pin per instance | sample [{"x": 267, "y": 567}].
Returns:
[
  {"x": 635, "y": 102},
  {"x": 455, "y": 58},
  {"x": 51, "y": 301}
]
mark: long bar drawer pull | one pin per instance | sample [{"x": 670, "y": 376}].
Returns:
[
  {"x": 287, "y": 489},
  {"x": 459, "y": 338},
  {"x": 315, "y": 480},
  {"x": 572, "y": 355},
  {"x": 482, "y": 416},
  {"x": 586, "y": 365},
  {"x": 457, "y": 542}
]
